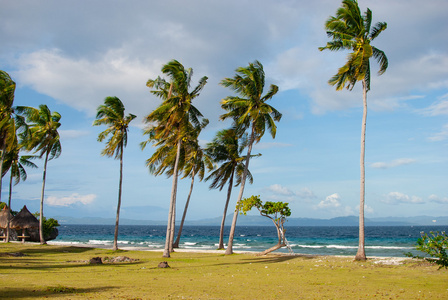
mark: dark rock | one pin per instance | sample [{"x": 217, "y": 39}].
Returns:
[
  {"x": 163, "y": 264},
  {"x": 96, "y": 261}
]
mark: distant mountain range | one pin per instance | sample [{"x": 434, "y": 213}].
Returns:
[{"x": 262, "y": 221}]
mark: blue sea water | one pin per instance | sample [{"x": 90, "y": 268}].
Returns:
[{"x": 391, "y": 241}]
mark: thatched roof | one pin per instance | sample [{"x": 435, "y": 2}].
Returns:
[
  {"x": 24, "y": 219},
  {"x": 4, "y": 217}
]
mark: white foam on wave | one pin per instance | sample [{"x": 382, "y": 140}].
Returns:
[
  {"x": 189, "y": 243},
  {"x": 389, "y": 247},
  {"x": 100, "y": 242},
  {"x": 308, "y": 246},
  {"x": 341, "y": 247}
]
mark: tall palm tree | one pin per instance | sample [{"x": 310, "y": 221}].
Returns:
[
  {"x": 196, "y": 163},
  {"x": 43, "y": 138},
  {"x": 172, "y": 119},
  {"x": 15, "y": 164},
  {"x": 7, "y": 124},
  {"x": 226, "y": 149},
  {"x": 249, "y": 111},
  {"x": 349, "y": 30},
  {"x": 111, "y": 114}
]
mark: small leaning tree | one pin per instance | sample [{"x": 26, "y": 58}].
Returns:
[
  {"x": 111, "y": 114},
  {"x": 349, "y": 30},
  {"x": 276, "y": 211}
]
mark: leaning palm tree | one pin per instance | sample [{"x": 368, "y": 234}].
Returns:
[
  {"x": 249, "y": 111},
  {"x": 196, "y": 163},
  {"x": 43, "y": 138},
  {"x": 226, "y": 149},
  {"x": 15, "y": 164},
  {"x": 349, "y": 30},
  {"x": 172, "y": 120},
  {"x": 111, "y": 114}
]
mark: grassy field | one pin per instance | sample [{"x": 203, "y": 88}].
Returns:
[{"x": 59, "y": 272}]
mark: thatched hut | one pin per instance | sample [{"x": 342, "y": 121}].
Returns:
[
  {"x": 4, "y": 220},
  {"x": 24, "y": 220}
]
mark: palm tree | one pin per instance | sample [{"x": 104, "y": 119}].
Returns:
[
  {"x": 196, "y": 162},
  {"x": 15, "y": 164},
  {"x": 172, "y": 119},
  {"x": 352, "y": 31},
  {"x": 7, "y": 124},
  {"x": 249, "y": 111},
  {"x": 43, "y": 138},
  {"x": 111, "y": 114},
  {"x": 226, "y": 149}
]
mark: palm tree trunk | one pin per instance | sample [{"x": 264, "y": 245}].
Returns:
[
  {"x": 41, "y": 211},
  {"x": 115, "y": 247},
  {"x": 1, "y": 167},
  {"x": 361, "y": 254},
  {"x": 229, "y": 192},
  {"x": 9, "y": 208},
  {"x": 229, "y": 249},
  {"x": 176, "y": 243},
  {"x": 168, "y": 242}
]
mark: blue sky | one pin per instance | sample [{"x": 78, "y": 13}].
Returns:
[{"x": 70, "y": 56}]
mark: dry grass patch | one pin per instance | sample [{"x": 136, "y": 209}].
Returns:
[{"x": 58, "y": 272}]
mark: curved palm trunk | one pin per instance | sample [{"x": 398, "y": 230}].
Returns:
[
  {"x": 361, "y": 254},
  {"x": 41, "y": 211},
  {"x": 120, "y": 184},
  {"x": 229, "y": 249},
  {"x": 221, "y": 233},
  {"x": 168, "y": 241},
  {"x": 9, "y": 208},
  {"x": 176, "y": 243}
]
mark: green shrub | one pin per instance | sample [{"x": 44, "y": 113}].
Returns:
[
  {"x": 435, "y": 245},
  {"x": 47, "y": 224}
]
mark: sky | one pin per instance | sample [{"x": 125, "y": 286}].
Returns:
[{"x": 70, "y": 55}]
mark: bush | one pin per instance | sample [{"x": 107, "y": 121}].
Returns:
[
  {"x": 48, "y": 224},
  {"x": 435, "y": 245}
]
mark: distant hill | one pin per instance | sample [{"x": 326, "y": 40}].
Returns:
[{"x": 262, "y": 221}]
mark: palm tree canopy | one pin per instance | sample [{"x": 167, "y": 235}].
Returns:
[
  {"x": 352, "y": 31},
  {"x": 111, "y": 114},
  {"x": 192, "y": 159},
  {"x": 177, "y": 110},
  {"x": 16, "y": 163},
  {"x": 43, "y": 132},
  {"x": 250, "y": 107},
  {"x": 7, "y": 124},
  {"x": 226, "y": 149}
]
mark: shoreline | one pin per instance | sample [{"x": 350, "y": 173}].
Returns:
[{"x": 386, "y": 260}]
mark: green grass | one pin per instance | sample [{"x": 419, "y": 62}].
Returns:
[{"x": 59, "y": 272}]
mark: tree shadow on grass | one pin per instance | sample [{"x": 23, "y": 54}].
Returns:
[{"x": 49, "y": 292}]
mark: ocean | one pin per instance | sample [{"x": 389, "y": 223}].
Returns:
[{"x": 391, "y": 241}]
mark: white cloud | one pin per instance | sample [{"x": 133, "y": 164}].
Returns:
[
  {"x": 282, "y": 193},
  {"x": 69, "y": 200},
  {"x": 393, "y": 164},
  {"x": 83, "y": 83},
  {"x": 437, "y": 199},
  {"x": 438, "y": 108},
  {"x": 332, "y": 201},
  {"x": 440, "y": 136},
  {"x": 400, "y": 198}
]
